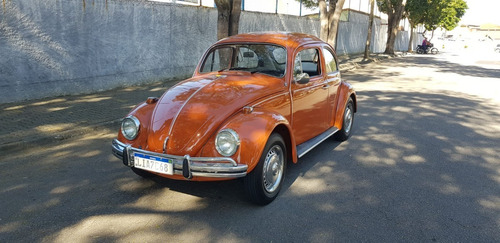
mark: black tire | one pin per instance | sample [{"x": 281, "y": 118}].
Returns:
[
  {"x": 434, "y": 50},
  {"x": 142, "y": 173},
  {"x": 348, "y": 121},
  {"x": 420, "y": 51},
  {"x": 263, "y": 184}
]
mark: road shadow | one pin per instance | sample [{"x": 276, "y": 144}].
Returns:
[
  {"x": 420, "y": 166},
  {"x": 417, "y": 167}
]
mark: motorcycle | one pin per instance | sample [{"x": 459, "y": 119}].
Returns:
[{"x": 431, "y": 48}]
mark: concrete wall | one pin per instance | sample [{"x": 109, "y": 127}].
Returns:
[{"x": 58, "y": 47}]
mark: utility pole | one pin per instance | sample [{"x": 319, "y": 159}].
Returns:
[{"x": 300, "y": 12}]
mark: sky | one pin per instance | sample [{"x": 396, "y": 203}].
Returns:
[{"x": 482, "y": 12}]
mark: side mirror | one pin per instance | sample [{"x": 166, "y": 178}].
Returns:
[{"x": 301, "y": 78}]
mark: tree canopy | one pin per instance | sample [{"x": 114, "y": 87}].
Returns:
[
  {"x": 436, "y": 13},
  {"x": 309, "y": 3}
]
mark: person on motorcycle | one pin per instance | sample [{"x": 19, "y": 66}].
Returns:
[{"x": 425, "y": 42}]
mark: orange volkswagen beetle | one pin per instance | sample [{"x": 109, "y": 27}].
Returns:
[{"x": 255, "y": 102}]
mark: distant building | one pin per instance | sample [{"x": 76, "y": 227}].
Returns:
[
  {"x": 294, "y": 7},
  {"x": 484, "y": 32},
  {"x": 290, "y": 7}
]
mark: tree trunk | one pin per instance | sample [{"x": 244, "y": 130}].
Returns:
[
  {"x": 234, "y": 21},
  {"x": 392, "y": 26},
  {"x": 370, "y": 28},
  {"x": 323, "y": 13},
  {"x": 228, "y": 17},
  {"x": 410, "y": 43},
  {"x": 334, "y": 18},
  {"x": 329, "y": 19}
]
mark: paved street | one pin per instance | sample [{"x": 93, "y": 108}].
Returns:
[{"x": 423, "y": 165}]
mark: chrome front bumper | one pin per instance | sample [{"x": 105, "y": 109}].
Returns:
[{"x": 216, "y": 167}]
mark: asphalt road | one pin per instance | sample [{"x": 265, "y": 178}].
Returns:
[{"x": 423, "y": 165}]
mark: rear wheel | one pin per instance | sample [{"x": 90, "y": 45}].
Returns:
[
  {"x": 348, "y": 120},
  {"x": 263, "y": 184}
]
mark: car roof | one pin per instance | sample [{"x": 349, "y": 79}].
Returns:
[{"x": 286, "y": 39}]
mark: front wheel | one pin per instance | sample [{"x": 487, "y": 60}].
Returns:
[
  {"x": 434, "y": 50},
  {"x": 263, "y": 184},
  {"x": 348, "y": 120}
]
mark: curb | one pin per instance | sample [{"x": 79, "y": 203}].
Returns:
[
  {"x": 353, "y": 63},
  {"x": 107, "y": 126}
]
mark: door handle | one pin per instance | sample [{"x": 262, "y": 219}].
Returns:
[{"x": 326, "y": 86}]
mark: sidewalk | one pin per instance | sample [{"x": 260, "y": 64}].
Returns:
[{"x": 37, "y": 122}]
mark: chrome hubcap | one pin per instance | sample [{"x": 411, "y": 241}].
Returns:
[
  {"x": 273, "y": 168},
  {"x": 348, "y": 119}
]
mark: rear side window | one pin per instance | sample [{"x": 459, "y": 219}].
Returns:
[{"x": 330, "y": 62}]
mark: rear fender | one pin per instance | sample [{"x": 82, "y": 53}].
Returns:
[{"x": 345, "y": 92}]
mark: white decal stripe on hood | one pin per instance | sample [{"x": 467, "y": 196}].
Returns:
[{"x": 187, "y": 100}]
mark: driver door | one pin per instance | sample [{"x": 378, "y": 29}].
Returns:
[{"x": 310, "y": 99}]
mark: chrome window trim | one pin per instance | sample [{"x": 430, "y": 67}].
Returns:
[{"x": 245, "y": 43}]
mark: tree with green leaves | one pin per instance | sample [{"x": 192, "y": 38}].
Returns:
[
  {"x": 228, "y": 17},
  {"x": 433, "y": 14},
  {"x": 329, "y": 17},
  {"x": 446, "y": 14},
  {"x": 415, "y": 12},
  {"x": 394, "y": 10}
]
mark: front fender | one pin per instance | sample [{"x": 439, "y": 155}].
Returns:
[
  {"x": 254, "y": 130},
  {"x": 143, "y": 112}
]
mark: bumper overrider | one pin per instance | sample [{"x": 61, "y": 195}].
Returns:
[{"x": 216, "y": 167}]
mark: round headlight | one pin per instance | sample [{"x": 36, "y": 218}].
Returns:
[
  {"x": 227, "y": 142},
  {"x": 130, "y": 127}
]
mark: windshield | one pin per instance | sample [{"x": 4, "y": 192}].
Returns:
[{"x": 261, "y": 58}]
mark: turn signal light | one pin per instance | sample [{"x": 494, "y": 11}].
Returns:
[{"x": 151, "y": 100}]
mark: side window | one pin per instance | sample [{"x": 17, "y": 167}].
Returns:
[
  {"x": 330, "y": 62},
  {"x": 307, "y": 61}
]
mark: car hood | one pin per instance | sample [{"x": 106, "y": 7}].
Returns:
[{"x": 191, "y": 111}]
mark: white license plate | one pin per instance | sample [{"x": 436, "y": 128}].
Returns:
[{"x": 152, "y": 163}]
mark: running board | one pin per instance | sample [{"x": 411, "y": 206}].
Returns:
[{"x": 307, "y": 146}]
